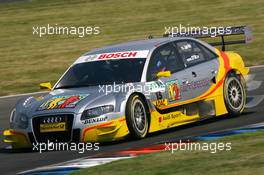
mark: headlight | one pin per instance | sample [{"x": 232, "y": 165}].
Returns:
[
  {"x": 12, "y": 116},
  {"x": 23, "y": 122},
  {"x": 18, "y": 120},
  {"x": 95, "y": 112}
]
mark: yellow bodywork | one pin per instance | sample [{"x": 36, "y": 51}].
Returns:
[
  {"x": 108, "y": 131},
  {"x": 16, "y": 139},
  {"x": 229, "y": 61},
  {"x": 169, "y": 120}
]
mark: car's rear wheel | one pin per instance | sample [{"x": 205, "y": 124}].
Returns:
[
  {"x": 234, "y": 94},
  {"x": 137, "y": 117}
]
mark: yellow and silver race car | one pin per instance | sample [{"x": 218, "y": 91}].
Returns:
[{"x": 132, "y": 89}]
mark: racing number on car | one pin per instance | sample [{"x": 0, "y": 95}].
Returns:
[
  {"x": 160, "y": 102},
  {"x": 159, "y": 95}
]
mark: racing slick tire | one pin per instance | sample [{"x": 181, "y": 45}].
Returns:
[
  {"x": 234, "y": 94},
  {"x": 137, "y": 117}
]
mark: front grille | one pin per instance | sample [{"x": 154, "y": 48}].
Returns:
[{"x": 53, "y": 136}]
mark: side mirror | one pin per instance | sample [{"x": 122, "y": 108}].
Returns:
[
  {"x": 46, "y": 85},
  {"x": 164, "y": 74}
]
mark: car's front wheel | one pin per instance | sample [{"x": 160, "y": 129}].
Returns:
[
  {"x": 137, "y": 117},
  {"x": 234, "y": 94}
]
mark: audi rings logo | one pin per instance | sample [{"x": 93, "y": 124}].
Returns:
[{"x": 55, "y": 119}]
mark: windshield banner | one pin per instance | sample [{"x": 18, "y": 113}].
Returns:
[{"x": 114, "y": 55}]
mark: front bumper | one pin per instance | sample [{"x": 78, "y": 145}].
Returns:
[
  {"x": 108, "y": 131},
  {"x": 16, "y": 139}
]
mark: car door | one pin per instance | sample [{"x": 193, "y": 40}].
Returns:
[
  {"x": 201, "y": 67},
  {"x": 168, "y": 89}
]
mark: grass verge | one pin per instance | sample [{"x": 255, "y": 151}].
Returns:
[
  {"x": 27, "y": 60},
  {"x": 245, "y": 157}
]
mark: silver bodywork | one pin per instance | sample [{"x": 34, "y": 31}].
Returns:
[{"x": 29, "y": 108}]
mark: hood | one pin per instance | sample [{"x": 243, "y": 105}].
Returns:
[{"x": 68, "y": 101}]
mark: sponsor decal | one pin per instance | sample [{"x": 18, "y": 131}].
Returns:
[
  {"x": 95, "y": 120},
  {"x": 114, "y": 55},
  {"x": 53, "y": 127},
  {"x": 195, "y": 85},
  {"x": 61, "y": 102},
  {"x": 186, "y": 47},
  {"x": 173, "y": 90},
  {"x": 193, "y": 58},
  {"x": 132, "y": 54},
  {"x": 161, "y": 102},
  {"x": 169, "y": 117},
  {"x": 156, "y": 86}
]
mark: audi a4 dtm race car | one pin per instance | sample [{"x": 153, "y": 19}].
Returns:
[{"x": 132, "y": 89}]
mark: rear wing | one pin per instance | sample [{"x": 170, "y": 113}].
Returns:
[{"x": 225, "y": 32}]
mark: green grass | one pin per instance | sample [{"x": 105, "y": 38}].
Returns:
[
  {"x": 245, "y": 157},
  {"x": 27, "y": 60}
]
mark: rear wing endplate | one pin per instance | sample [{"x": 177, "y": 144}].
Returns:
[{"x": 228, "y": 31}]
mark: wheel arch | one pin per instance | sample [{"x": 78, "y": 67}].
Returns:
[
  {"x": 239, "y": 74},
  {"x": 143, "y": 97},
  {"x": 236, "y": 64},
  {"x": 235, "y": 73},
  {"x": 147, "y": 102}
]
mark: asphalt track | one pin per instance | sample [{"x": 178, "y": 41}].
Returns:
[{"x": 13, "y": 162}]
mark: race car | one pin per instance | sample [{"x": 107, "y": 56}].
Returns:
[{"x": 132, "y": 89}]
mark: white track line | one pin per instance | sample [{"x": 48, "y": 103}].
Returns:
[
  {"x": 77, "y": 163},
  {"x": 25, "y": 94},
  {"x": 258, "y": 66}
]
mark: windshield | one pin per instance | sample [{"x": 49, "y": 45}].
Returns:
[{"x": 103, "y": 72}]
